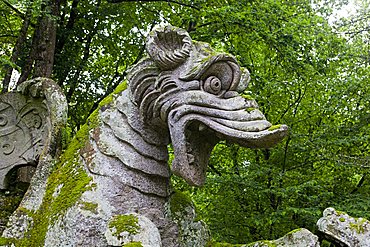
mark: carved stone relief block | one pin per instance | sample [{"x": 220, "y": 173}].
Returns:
[{"x": 23, "y": 131}]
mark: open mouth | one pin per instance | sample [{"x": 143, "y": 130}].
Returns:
[{"x": 195, "y": 131}]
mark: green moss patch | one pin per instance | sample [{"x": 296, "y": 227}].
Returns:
[
  {"x": 358, "y": 226},
  {"x": 216, "y": 244},
  {"x": 125, "y": 223},
  {"x": 107, "y": 100},
  {"x": 65, "y": 186},
  {"x": 247, "y": 96},
  {"x": 250, "y": 109},
  {"x": 89, "y": 206},
  {"x": 178, "y": 202},
  {"x": 133, "y": 244},
  {"x": 274, "y": 127},
  {"x": 5, "y": 241}
]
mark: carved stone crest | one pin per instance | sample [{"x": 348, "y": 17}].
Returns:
[{"x": 23, "y": 131}]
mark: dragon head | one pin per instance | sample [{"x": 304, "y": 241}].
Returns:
[{"x": 194, "y": 91}]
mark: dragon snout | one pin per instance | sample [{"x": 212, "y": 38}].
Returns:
[{"x": 200, "y": 121}]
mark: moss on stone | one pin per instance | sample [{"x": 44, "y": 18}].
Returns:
[
  {"x": 179, "y": 202},
  {"x": 247, "y": 96},
  {"x": 358, "y": 226},
  {"x": 250, "y": 109},
  {"x": 133, "y": 244},
  {"x": 9, "y": 202},
  {"x": 125, "y": 223},
  {"x": 89, "y": 206},
  {"x": 274, "y": 127},
  {"x": 5, "y": 241},
  {"x": 217, "y": 244},
  {"x": 342, "y": 219},
  {"x": 294, "y": 231},
  {"x": 65, "y": 186},
  {"x": 107, "y": 100},
  {"x": 120, "y": 88}
]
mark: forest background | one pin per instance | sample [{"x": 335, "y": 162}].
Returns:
[{"x": 308, "y": 71}]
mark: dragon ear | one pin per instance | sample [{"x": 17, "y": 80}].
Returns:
[{"x": 169, "y": 46}]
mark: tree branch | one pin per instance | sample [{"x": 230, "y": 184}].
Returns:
[
  {"x": 8, "y": 36},
  {"x": 359, "y": 184},
  {"x": 86, "y": 55},
  {"x": 19, "y": 13},
  {"x": 155, "y": 12}
]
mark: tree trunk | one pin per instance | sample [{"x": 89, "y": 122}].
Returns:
[
  {"x": 44, "y": 57},
  {"x": 41, "y": 58}
]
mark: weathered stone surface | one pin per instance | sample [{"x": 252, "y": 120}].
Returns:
[
  {"x": 297, "y": 238},
  {"x": 343, "y": 229},
  {"x": 183, "y": 93}
]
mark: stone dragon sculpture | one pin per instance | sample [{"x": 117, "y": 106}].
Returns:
[{"x": 112, "y": 185}]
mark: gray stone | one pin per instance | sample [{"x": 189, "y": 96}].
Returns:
[
  {"x": 182, "y": 93},
  {"x": 343, "y": 229},
  {"x": 297, "y": 238}
]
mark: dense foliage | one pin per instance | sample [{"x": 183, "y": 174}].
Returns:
[{"x": 306, "y": 73}]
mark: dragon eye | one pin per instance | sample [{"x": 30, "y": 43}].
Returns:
[{"x": 212, "y": 85}]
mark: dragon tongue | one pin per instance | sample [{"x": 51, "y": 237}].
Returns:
[{"x": 191, "y": 150}]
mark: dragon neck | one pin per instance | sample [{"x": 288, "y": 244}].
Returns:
[{"x": 132, "y": 157}]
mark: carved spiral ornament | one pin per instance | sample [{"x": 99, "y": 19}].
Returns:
[
  {"x": 7, "y": 148},
  {"x": 3, "y": 120},
  {"x": 169, "y": 47}
]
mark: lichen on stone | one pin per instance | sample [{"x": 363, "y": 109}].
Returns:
[
  {"x": 9, "y": 201},
  {"x": 193, "y": 232}
]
